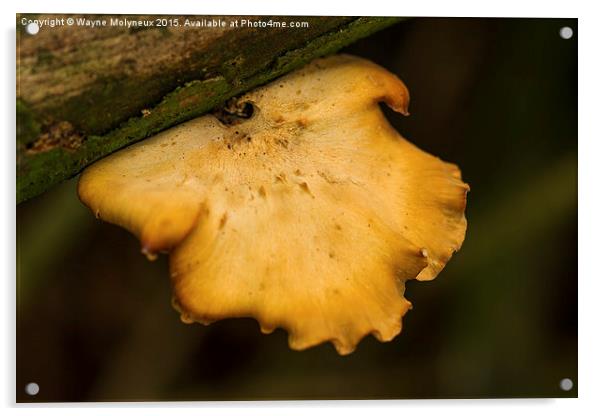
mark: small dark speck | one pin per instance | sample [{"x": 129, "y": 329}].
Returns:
[
  {"x": 305, "y": 187},
  {"x": 262, "y": 192},
  {"x": 223, "y": 220}
]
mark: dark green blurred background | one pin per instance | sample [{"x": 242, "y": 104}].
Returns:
[{"x": 498, "y": 97}]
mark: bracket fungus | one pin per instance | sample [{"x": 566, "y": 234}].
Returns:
[{"x": 306, "y": 211}]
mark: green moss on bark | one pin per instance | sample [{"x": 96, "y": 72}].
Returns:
[{"x": 236, "y": 74}]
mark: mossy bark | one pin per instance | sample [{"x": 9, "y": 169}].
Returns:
[{"x": 83, "y": 93}]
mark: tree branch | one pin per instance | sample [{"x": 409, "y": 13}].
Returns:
[{"x": 84, "y": 93}]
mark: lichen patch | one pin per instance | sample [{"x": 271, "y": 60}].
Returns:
[{"x": 57, "y": 135}]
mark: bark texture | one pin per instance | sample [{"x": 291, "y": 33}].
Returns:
[{"x": 84, "y": 93}]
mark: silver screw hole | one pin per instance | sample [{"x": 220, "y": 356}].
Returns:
[
  {"x": 566, "y": 384},
  {"x": 32, "y": 28},
  {"x": 32, "y": 389},
  {"x": 566, "y": 32}
]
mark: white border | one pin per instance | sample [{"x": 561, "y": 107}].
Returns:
[{"x": 590, "y": 136}]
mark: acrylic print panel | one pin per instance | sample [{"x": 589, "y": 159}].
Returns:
[{"x": 284, "y": 194}]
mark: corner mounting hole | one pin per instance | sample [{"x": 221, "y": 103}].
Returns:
[
  {"x": 32, "y": 389},
  {"x": 566, "y": 32},
  {"x": 566, "y": 384},
  {"x": 32, "y": 28}
]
